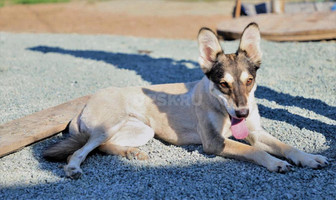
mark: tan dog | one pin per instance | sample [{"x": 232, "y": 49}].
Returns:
[{"x": 207, "y": 112}]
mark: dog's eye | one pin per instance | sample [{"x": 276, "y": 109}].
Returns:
[
  {"x": 224, "y": 84},
  {"x": 249, "y": 81}
]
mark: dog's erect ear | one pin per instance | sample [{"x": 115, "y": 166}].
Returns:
[
  {"x": 209, "y": 48},
  {"x": 250, "y": 43}
]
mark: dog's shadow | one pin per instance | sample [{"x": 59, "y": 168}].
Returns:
[{"x": 153, "y": 70}]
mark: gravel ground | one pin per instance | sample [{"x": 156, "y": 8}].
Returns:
[{"x": 296, "y": 97}]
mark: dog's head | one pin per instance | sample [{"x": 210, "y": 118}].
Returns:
[{"x": 232, "y": 76}]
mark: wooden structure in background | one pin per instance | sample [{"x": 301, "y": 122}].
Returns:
[
  {"x": 284, "y": 27},
  {"x": 238, "y": 8},
  {"x": 19, "y": 133},
  {"x": 278, "y": 6}
]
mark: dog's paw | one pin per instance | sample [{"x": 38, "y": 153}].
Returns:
[
  {"x": 303, "y": 159},
  {"x": 279, "y": 166},
  {"x": 73, "y": 172},
  {"x": 135, "y": 153}
]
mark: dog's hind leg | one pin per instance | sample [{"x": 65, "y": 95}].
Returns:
[
  {"x": 133, "y": 134},
  {"x": 120, "y": 139},
  {"x": 72, "y": 169},
  {"x": 97, "y": 136}
]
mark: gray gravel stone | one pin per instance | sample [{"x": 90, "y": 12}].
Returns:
[{"x": 296, "y": 97}]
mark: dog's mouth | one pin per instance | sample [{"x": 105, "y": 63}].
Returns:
[{"x": 239, "y": 128}]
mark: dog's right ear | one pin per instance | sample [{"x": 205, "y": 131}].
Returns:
[{"x": 209, "y": 49}]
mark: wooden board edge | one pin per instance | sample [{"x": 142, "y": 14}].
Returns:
[
  {"x": 12, "y": 148},
  {"x": 14, "y": 135},
  {"x": 227, "y": 35}
]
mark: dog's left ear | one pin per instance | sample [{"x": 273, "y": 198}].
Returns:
[
  {"x": 209, "y": 49},
  {"x": 250, "y": 43}
]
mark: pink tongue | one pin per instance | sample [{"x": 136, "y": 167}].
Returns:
[{"x": 238, "y": 128}]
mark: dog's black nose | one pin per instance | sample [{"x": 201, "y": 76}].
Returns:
[{"x": 242, "y": 113}]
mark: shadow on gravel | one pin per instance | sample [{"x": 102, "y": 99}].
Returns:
[
  {"x": 167, "y": 70},
  {"x": 218, "y": 180},
  {"x": 154, "y": 70},
  {"x": 315, "y": 105},
  {"x": 114, "y": 177}
]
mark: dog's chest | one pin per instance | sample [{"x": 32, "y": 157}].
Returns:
[{"x": 220, "y": 123}]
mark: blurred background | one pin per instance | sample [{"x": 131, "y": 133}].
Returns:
[{"x": 144, "y": 18}]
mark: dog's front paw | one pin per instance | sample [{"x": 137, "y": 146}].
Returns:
[
  {"x": 303, "y": 159},
  {"x": 279, "y": 166},
  {"x": 73, "y": 171}
]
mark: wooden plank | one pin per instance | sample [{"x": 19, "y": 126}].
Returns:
[
  {"x": 238, "y": 8},
  {"x": 21, "y": 132},
  {"x": 284, "y": 27},
  {"x": 278, "y": 6}
]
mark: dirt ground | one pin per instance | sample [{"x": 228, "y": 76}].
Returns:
[{"x": 144, "y": 18}]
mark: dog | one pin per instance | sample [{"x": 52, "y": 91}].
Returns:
[{"x": 222, "y": 104}]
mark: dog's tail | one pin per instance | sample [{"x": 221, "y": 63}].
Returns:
[{"x": 60, "y": 151}]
